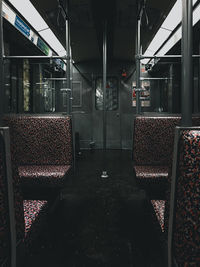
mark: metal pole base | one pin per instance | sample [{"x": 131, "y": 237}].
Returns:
[{"x": 104, "y": 174}]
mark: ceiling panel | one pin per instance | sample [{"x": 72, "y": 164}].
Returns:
[{"x": 87, "y": 25}]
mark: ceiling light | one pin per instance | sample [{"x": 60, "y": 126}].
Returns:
[{"x": 29, "y": 12}]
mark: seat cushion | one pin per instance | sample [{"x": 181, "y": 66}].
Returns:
[
  {"x": 49, "y": 175},
  {"x": 151, "y": 174},
  {"x": 159, "y": 208},
  {"x": 35, "y": 215}
]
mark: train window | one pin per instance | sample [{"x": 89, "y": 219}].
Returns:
[
  {"x": 48, "y": 91},
  {"x": 112, "y": 101},
  {"x": 145, "y": 95},
  {"x": 77, "y": 94},
  {"x": 49, "y": 96}
]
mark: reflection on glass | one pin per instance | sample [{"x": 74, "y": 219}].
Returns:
[
  {"x": 49, "y": 96},
  {"x": 111, "y": 94},
  {"x": 26, "y": 85}
]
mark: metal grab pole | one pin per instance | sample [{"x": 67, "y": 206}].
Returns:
[
  {"x": 2, "y": 65},
  {"x": 71, "y": 80},
  {"x": 104, "y": 174},
  {"x": 138, "y": 83},
  {"x": 187, "y": 63},
  {"x": 68, "y": 68},
  {"x": 104, "y": 84}
]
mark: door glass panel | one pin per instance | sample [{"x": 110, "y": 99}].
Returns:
[
  {"x": 77, "y": 94},
  {"x": 112, "y": 101}
]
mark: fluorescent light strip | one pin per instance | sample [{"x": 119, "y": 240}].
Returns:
[
  {"x": 51, "y": 39},
  {"x": 178, "y": 34},
  {"x": 171, "y": 22},
  {"x": 29, "y": 12}
]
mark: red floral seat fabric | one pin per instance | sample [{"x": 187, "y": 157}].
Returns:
[
  {"x": 35, "y": 215},
  {"x": 38, "y": 141},
  {"x": 159, "y": 208},
  {"x": 186, "y": 232},
  {"x": 47, "y": 175},
  {"x": 151, "y": 174}
]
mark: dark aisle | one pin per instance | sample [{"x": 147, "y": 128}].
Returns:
[{"x": 93, "y": 225}]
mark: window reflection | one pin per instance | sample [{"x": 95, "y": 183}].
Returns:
[{"x": 111, "y": 93}]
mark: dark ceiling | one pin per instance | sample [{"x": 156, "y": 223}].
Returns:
[{"x": 87, "y": 16}]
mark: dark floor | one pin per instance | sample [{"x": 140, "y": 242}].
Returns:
[{"x": 100, "y": 222}]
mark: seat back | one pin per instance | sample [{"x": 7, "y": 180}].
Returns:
[
  {"x": 184, "y": 217},
  {"x": 153, "y": 140},
  {"x": 40, "y": 140}
]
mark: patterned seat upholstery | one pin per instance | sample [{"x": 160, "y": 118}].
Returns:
[
  {"x": 159, "y": 209},
  {"x": 41, "y": 148},
  {"x": 35, "y": 215},
  {"x": 185, "y": 233},
  {"x": 186, "y": 229},
  {"x": 151, "y": 174},
  {"x": 29, "y": 215},
  {"x": 46, "y": 175},
  {"x": 153, "y": 148}
]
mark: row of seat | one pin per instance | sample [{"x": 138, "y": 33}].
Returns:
[
  {"x": 41, "y": 157},
  {"x": 156, "y": 146}
]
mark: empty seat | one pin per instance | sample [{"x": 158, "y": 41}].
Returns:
[
  {"x": 20, "y": 220},
  {"x": 184, "y": 220},
  {"x": 41, "y": 149},
  {"x": 153, "y": 149},
  {"x": 178, "y": 215}
]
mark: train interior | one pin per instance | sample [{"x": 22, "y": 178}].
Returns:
[{"x": 97, "y": 167}]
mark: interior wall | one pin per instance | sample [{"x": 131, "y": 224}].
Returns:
[{"x": 85, "y": 120}]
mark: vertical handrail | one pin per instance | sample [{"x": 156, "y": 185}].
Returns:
[
  {"x": 104, "y": 174},
  {"x": 138, "y": 82},
  {"x": 68, "y": 55},
  {"x": 104, "y": 83},
  {"x": 187, "y": 73},
  {"x": 1, "y": 64}
]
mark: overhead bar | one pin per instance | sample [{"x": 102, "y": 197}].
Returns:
[
  {"x": 35, "y": 57},
  {"x": 55, "y": 79},
  {"x": 187, "y": 63},
  {"x": 149, "y": 78},
  {"x": 166, "y": 56}
]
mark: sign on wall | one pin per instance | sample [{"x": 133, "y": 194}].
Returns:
[{"x": 22, "y": 26}]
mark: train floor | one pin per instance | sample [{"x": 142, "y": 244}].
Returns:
[{"x": 90, "y": 226}]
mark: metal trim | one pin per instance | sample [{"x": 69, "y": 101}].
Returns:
[{"x": 6, "y": 136}]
